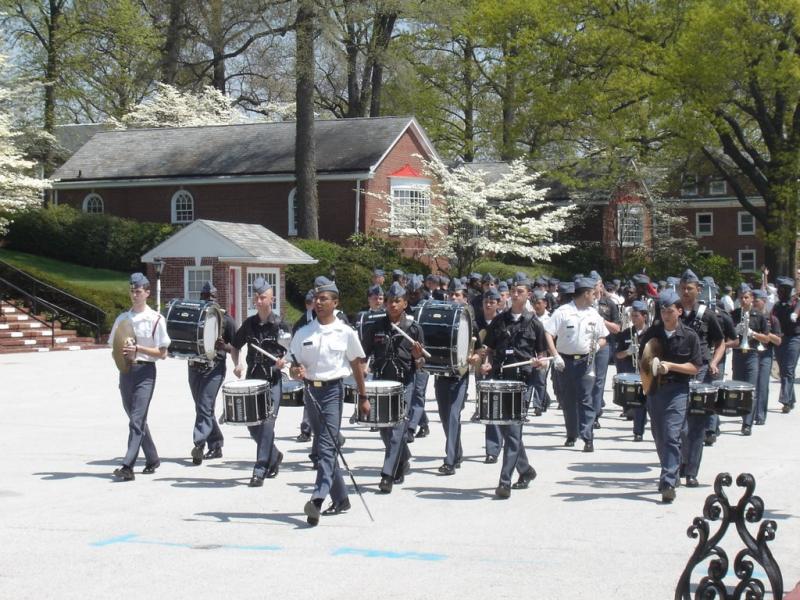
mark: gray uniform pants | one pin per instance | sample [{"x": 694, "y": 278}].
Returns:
[
  {"x": 576, "y": 384},
  {"x": 762, "y": 389},
  {"x": 667, "y": 408},
  {"x": 264, "y": 436},
  {"x": 601, "y": 359},
  {"x": 514, "y": 455},
  {"x": 417, "y": 415},
  {"x": 745, "y": 368},
  {"x": 327, "y": 399},
  {"x": 136, "y": 388},
  {"x": 694, "y": 433},
  {"x": 395, "y": 443},
  {"x": 205, "y": 387},
  {"x": 451, "y": 393}
]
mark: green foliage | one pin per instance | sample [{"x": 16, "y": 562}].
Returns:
[
  {"x": 92, "y": 240},
  {"x": 107, "y": 290},
  {"x": 506, "y": 270},
  {"x": 720, "y": 268}
]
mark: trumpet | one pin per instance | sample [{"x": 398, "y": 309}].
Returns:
[{"x": 744, "y": 330}]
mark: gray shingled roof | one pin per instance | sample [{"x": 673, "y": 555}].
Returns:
[
  {"x": 343, "y": 145},
  {"x": 260, "y": 242},
  {"x": 73, "y": 136}
]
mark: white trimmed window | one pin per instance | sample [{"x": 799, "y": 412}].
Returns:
[
  {"x": 704, "y": 224},
  {"x": 630, "y": 223},
  {"x": 93, "y": 204},
  {"x": 747, "y": 261},
  {"x": 705, "y": 253},
  {"x": 182, "y": 207},
  {"x": 194, "y": 278},
  {"x": 689, "y": 185},
  {"x": 294, "y": 213},
  {"x": 272, "y": 277},
  {"x": 411, "y": 206},
  {"x": 717, "y": 187},
  {"x": 747, "y": 223}
]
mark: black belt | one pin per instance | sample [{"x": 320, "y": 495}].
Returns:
[
  {"x": 673, "y": 378},
  {"x": 144, "y": 362},
  {"x": 319, "y": 384},
  {"x": 574, "y": 356}
]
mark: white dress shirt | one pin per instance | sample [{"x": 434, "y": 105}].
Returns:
[{"x": 326, "y": 350}]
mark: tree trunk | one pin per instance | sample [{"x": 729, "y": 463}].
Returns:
[
  {"x": 51, "y": 76},
  {"x": 305, "y": 151},
  {"x": 170, "y": 52},
  {"x": 384, "y": 24},
  {"x": 509, "y": 105},
  {"x": 468, "y": 78},
  {"x": 217, "y": 43}
]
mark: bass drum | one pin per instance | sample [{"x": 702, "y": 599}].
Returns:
[
  {"x": 365, "y": 323},
  {"x": 447, "y": 329},
  {"x": 193, "y": 327}
]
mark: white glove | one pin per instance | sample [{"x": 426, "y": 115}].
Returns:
[
  {"x": 558, "y": 363},
  {"x": 629, "y": 351},
  {"x": 793, "y": 317}
]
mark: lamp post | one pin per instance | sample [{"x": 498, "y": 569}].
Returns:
[{"x": 158, "y": 264}]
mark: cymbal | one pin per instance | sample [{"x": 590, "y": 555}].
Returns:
[
  {"x": 122, "y": 334},
  {"x": 651, "y": 354}
]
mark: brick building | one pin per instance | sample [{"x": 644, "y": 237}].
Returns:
[{"x": 245, "y": 174}]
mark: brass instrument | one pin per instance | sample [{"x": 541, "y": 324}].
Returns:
[
  {"x": 123, "y": 336},
  {"x": 634, "y": 348},
  {"x": 592, "y": 348},
  {"x": 744, "y": 331},
  {"x": 651, "y": 356}
]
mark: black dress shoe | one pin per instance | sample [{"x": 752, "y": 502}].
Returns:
[
  {"x": 596, "y": 424},
  {"x": 537, "y": 412},
  {"x": 409, "y": 437},
  {"x": 637, "y": 437},
  {"x": 570, "y": 442},
  {"x": 386, "y": 484},
  {"x": 786, "y": 409},
  {"x": 525, "y": 479},
  {"x": 588, "y": 446},
  {"x": 273, "y": 472},
  {"x": 312, "y": 512},
  {"x": 215, "y": 453},
  {"x": 458, "y": 463},
  {"x": 710, "y": 439},
  {"x": 691, "y": 481},
  {"x": 446, "y": 469},
  {"x": 490, "y": 459},
  {"x": 746, "y": 430},
  {"x": 399, "y": 478},
  {"x": 150, "y": 469},
  {"x": 335, "y": 509},
  {"x": 503, "y": 491},
  {"x": 424, "y": 430},
  {"x": 760, "y": 422},
  {"x": 303, "y": 437},
  {"x": 256, "y": 481},
  {"x": 124, "y": 473},
  {"x": 667, "y": 494},
  {"x": 197, "y": 455}
]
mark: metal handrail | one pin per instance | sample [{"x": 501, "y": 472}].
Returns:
[
  {"x": 52, "y": 324},
  {"x": 33, "y": 296}
]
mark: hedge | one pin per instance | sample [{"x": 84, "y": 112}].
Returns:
[{"x": 93, "y": 240}]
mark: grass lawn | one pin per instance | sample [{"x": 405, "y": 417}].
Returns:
[{"x": 97, "y": 279}]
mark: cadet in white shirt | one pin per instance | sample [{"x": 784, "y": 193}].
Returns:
[
  {"x": 137, "y": 385},
  {"x": 323, "y": 353},
  {"x": 579, "y": 331}
]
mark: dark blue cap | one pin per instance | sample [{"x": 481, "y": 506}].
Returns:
[
  {"x": 444, "y": 280},
  {"x": 554, "y": 281},
  {"x": 208, "y": 288},
  {"x": 378, "y": 272},
  {"x": 310, "y": 296},
  {"x": 431, "y": 277},
  {"x": 323, "y": 284},
  {"x": 396, "y": 291},
  {"x": 416, "y": 283},
  {"x": 491, "y": 294},
  {"x": 566, "y": 287},
  {"x": 138, "y": 280},
  {"x": 502, "y": 286},
  {"x": 474, "y": 276},
  {"x": 488, "y": 278},
  {"x": 595, "y": 275},
  {"x": 260, "y": 286},
  {"x": 785, "y": 281},
  {"x": 639, "y": 306},
  {"x": 616, "y": 282},
  {"x": 760, "y": 294},
  {"x": 640, "y": 279},
  {"x": 456, "y": 285},
  {"x": 709, "y": 280},
  {"x": 540, "y": 281},
  {"x": 689, "y": 277},
  {"x": 398, "y": 273},
  {"x": 668, "y": 298},
  {"x": 583, "y": 283},
  {"x": 375, "y": 290},
  {"x": 539, "y": 295},
  {"x": 743, "y": 288}
]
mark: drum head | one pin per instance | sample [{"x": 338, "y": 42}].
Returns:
[
  {"x": 291, "y": 386},
  {"x": 381, "y": 386},
  {"x": 741, "y": 386},
  {"x": 462, "y": 339},
  {"x": 239, "y": 386},
  {"x": 211, "y": 331},
  {"x": 630, "y": 378},
  {"x": 702, "y": 388},
  {"x": 500, "y": 385}
]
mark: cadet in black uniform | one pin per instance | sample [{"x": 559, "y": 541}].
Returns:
[
  {"x": 626, "y": 355},
  {"x": 263, "y": 329},
  {"x": 205, "y": 379},
  {"x": 513, "y": 336},
  {"x": 394, "y": 358},
  {"x": 785, "y": 310}
]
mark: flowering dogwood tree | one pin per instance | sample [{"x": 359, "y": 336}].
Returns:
[
  {"x": 470, "y": 217},
  {"x": 19, "y": 186}
]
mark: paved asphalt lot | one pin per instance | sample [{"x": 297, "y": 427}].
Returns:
[{"x": 591, "y": 525}]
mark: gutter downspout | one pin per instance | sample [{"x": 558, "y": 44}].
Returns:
[{"x": 358, "y": 206}]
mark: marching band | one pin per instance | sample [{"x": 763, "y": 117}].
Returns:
[{"x": 668, "y": 343}]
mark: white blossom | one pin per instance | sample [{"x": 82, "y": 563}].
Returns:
[{"x": 171, "y": 107}]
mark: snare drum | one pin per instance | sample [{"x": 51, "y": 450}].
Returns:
[
  {"x": 500, "y": 402},
  {"x": 387, "y": 405},
  {"x": 365, "y": 323},
  {"x": 247, "y": 401},
  {"x": 628, "y": 392},
  {"x": 447, "y": 329},
  {"x": 193, "y": 328},
  {"x": 702, "y": 398},
  {"x": 350, "y": 389},
  {"x": 291, "y": 393},
  {"x": 735, "y": 398}
]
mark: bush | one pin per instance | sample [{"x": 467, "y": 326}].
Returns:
[
  {"x": 101, "y": 241},
  {"x": 503, "y": 270}
]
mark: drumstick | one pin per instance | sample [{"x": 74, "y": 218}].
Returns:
[
  {"x": 425, "y": 353},
  {"x": 265, "y": 353},
  {"x": 522, "y": 363}
]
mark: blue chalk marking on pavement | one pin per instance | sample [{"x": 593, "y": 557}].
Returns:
[
  {"x": 371, "y": 553},
  {"x": 132, "y": 538}
]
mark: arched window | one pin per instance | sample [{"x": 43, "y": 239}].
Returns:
[
  {"x": 182, "y": 207},
  {"x": 294, "y": 213},
  {"x": 93, "y": 204}
]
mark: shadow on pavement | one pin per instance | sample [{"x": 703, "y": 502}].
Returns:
[
  {"x": 201, "y": 482},
  {"x": 443, "y": 493},
  {"x": 598, "y": 467},
  {"x": 57, "y": 476},
  {"x": 643, "y": 489},
  {"x": 296, "y": 519}
]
